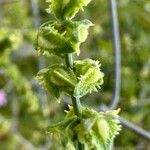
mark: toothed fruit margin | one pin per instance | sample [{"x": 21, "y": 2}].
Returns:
[{"x": 95, "y": 130}]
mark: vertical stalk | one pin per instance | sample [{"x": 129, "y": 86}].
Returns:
[
  {"x": 76, "y": 106},
  {"x": 69, "y": 60},
  {"x": 75, "y": 102}
]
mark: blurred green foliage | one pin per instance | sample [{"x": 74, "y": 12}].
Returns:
[{"x": 25, "y": 112}]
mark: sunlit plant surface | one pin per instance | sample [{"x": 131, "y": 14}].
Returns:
[{"x": 82, "y": 128}]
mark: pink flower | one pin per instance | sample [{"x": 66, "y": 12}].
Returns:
[{"x": 3, "y": 98}]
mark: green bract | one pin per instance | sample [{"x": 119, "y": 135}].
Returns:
[
  {"x": 89, "y": 75},
  {"x": 66, "y": 9},
  {"x": 58, "y": 78},
  {"x": 62, "y": 37},
  {"x": 95, "y": 130}
]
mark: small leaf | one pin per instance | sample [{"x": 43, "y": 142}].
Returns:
[
  {"x": 77, "y": 31},
  {"x": 61, "y": 125}
]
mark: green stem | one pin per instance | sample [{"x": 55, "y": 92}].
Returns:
[
  {"x": 76, "y": 106},
  {"x": 69, "y": 60},
  {"x": 75, "y": 101},
  {"x": 81, "y": 146}
]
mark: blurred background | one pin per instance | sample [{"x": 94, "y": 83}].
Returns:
[{"x": 26, "y": 109}]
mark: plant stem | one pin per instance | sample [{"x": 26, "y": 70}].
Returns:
[
  {"x": 75, "y": 101},
  {"x": 76, "y": 106},
  {"x": 81, "y": 146},
  {"x": 69, "y": 60}
]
